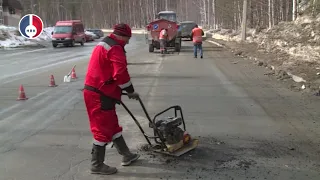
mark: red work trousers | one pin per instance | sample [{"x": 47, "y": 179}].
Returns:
[{"x": 102, "y": 117}]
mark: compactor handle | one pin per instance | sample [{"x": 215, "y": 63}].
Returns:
[{"x": 142, "y": 105}]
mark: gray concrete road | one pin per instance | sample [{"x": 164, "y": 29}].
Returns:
[{"x": 249, "y": 126}]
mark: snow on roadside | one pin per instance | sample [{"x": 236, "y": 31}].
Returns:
[
  {"x": 46, "y": 34},
  {"x": 10, "y": 37},
  {"x": 300, "y": 38}
]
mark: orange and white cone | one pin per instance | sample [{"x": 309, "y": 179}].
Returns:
[
  {"x": 22, "y": 94},
  {"x": 73, "y": 74},
  {"x": 52, "y": 82}
]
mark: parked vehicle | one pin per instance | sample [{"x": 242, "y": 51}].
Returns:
[
  {"x": 97, "y": 32},
  {"x": 166, "y": 20},
  {"x": 90, "y": 36},
  {"x": 185, "y": 29},
  {"x": 68, "y": 33}
]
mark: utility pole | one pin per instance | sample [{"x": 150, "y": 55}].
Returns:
[
  {"x": 244, "y": 20},
  {"x": 1, "y": 13}
]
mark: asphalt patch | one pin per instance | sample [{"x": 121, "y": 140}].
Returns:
[
  {"x": 206, "y": 153},
  {"x": 214, "y": 155},
  {"x": 145, "y": 148},
  {"x": 246, "y": 163}
]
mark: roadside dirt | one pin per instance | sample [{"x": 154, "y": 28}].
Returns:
[
  {"x": 289, "y": 49},
  {"x": 274, "y": 66}
]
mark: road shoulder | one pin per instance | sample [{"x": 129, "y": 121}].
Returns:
[
  {"x": 301, "y": 77},
  {"x": 296, "y": 113}
]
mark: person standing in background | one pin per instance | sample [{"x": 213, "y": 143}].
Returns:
[{"x": 196, "y": 35}]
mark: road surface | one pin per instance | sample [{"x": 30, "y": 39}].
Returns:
[{"x": 249, "y": 126}]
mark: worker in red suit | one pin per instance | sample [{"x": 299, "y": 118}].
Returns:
[
  {"x": 107, "y": 76},
  {"x": 163, "y": 37}
]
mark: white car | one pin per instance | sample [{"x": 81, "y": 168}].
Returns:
[{"x": 94, "y": 36}]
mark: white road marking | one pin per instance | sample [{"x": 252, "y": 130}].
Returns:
[
  {"x": 38, "y": 69},
  {"x": 218, "y": 44},
  {"x": 21, "y": 132},
  {"x": 23, "y": 52}
]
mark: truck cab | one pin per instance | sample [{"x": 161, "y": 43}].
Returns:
[
  {"x": 168, "y": 15},
  {"x": 68, "y": 33}
]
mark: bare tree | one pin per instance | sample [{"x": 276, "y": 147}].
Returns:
[{"x": 137, "y": 13}]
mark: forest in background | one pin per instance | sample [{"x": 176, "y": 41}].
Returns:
[{"x": 225, "y": 14}]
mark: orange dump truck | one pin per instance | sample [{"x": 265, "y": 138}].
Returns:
[{"x": 166, "y": 20}]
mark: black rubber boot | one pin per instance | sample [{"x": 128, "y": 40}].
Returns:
[
  {"x": 97, "y": 165},
  {"x": 123, "y": 150}
]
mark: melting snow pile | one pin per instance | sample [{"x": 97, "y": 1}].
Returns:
[
  {"x": 10, "y": 37},
  {"x": 232, "y": 35},
  {"x": 46, "y": 34},
  {"x": 300, "y": 39}
]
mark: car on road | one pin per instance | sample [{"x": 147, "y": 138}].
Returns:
[
  {"x": 185, "y": 29},
  {"x": 90, "y": 36},
  {"x": 97, "y": 32},
  {"x": 68, "y": 33}
]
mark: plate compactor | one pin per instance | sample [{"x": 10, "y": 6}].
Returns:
[{"x": 169, "y": 137}]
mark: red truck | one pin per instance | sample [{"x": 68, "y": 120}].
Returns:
[
  {"x": 166, "y": 20},
  {"x": 68, "y": 33}
]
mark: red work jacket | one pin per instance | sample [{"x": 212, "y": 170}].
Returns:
[
  {"x": 197, "y": 34},
  {"x": 163, "y": 34},
  {"x": 107, "y": 69}
]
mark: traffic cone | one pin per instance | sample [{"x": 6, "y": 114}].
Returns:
[
  {"x": 73, "y": 74},
  {"x": 52, "y": 82},
  {"x": 22, "y": 95}
]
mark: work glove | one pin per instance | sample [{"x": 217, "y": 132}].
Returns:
[{"x": 133, "y": 95}]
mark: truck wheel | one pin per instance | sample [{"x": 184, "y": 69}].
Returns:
[
  {"x": 151, "y": 48},
  {"x": 177, "y": 47},
  {"x": 54, "y": 45},
  {"x": 72, "y": 43}
]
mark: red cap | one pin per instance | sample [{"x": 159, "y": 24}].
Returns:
[{"x": 122, "y": 30}]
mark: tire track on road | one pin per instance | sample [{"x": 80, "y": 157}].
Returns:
[
  {"x": 38, "y": 70},
  {"x": 41, "y": 119}
]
